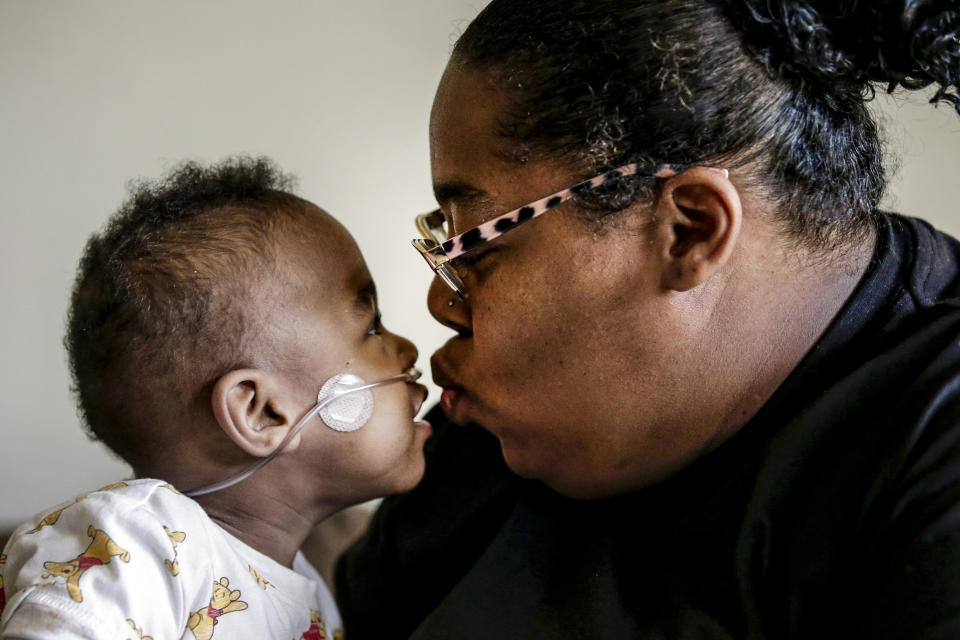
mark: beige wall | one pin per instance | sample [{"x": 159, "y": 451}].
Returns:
[{"x": 96, "y": 92}]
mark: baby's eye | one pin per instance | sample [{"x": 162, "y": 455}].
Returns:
[{"x": 376, "y": 327}]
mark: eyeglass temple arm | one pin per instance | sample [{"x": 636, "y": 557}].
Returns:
[{"x": 427, "y": 222}]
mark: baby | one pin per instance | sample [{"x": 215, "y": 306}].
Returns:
[{"x": 225, "y": 341}]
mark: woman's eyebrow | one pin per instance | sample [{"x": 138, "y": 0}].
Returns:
[{"x": 456, "y": 191}]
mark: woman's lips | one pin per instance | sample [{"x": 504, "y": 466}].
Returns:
[{"x": 452, "y": 402}]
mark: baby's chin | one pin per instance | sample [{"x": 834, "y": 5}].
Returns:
[
  {"x": 398, "y": 470},
  {"x": 410, "y": 478},
  {"x": 414, "y": 472},
  {"x": 423, "y": 426}
]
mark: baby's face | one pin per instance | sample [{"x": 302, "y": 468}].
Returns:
[{"x": 331, "y": 325}]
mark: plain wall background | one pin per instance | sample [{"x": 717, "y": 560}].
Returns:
[{"x": 94, "y": 93}]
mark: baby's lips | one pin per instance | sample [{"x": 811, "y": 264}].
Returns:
[
  {"x": 424, "y": 425},
  {"x": 416, "y": 402}
]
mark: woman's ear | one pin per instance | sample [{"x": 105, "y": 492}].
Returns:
[
  {"x": 250, "y": 407},
  {"x": 699, "y": 214}
]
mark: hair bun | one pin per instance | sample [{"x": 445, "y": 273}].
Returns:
[{"x": 846, "y": 44}]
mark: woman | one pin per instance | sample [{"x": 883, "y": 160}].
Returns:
[{"x": 723, "y": 384}]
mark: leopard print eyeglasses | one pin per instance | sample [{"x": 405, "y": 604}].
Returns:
[{"x": 438, "y": 248}]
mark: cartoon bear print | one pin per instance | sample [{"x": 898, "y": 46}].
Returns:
[
  {"x": 51, "y": 518},
  {"x": 110, "y": 487},
  {"x": 317, "y": 630},
  {"x": 137, "y": 631},
  {"x": 202, "y": 621},
  {"x": 99, "y": 552},
  {"x": 261, "y": 581},
  {"x": 176, "y": 537}
]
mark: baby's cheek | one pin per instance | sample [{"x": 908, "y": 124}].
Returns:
[
  {"x": 381, "y": 471},
  {"x": 389, "y": 454}
]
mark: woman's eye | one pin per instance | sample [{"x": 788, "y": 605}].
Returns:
[
  {"x": 376, "y": 327},
  {"x": 469, "y": 260}
]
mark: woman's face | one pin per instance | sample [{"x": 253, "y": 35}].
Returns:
[{"x": 565, "y": 343}]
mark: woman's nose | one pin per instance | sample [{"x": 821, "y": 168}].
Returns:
[{"x": 448, "y": 308}]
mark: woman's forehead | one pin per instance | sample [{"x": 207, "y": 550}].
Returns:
[
  {"x": 464, "y": 121},
  {"x": 474, "y": 169}
]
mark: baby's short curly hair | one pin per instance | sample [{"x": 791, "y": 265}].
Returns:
[{"x": 158, "y": 302}]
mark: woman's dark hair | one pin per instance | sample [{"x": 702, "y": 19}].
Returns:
[{"x": 777, "y": 86}]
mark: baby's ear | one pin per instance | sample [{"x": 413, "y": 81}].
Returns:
[{"x": 252, "y": 409}]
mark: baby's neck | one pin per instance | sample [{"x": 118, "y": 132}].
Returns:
[{"x": 273, "y": 527}]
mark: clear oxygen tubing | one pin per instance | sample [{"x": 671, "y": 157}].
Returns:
[{"x": 410, "y": 375}]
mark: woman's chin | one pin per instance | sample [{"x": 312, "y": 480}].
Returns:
[
  {"x": 525, "y": 462},
  {"x": 560, "y": 477}
]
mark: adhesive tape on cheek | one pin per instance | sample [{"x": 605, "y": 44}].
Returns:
[{"x": 349, "y": 412}]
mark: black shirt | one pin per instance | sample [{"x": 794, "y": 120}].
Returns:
[{"x": 834, "y": 513}]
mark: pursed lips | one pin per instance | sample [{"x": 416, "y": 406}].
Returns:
[
  {"x": 453, "y": 391},
  {"x": 441, "y": 375},
  {"x": 418, "y": 395}
]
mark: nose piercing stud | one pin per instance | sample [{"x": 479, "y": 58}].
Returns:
[{"x": 449, "y": 303}]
